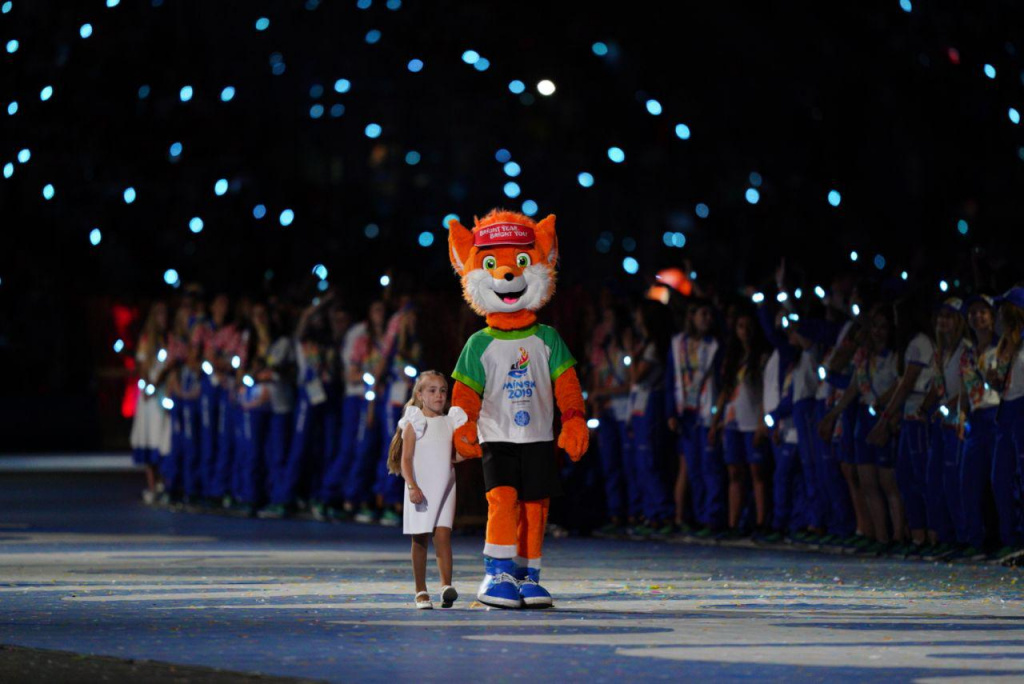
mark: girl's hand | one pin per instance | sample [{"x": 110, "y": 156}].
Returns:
[
  {"x": 879, "y": 434},
  {"x": 673, "y": 424},
  {"x": 416, "y": 495},
  {"x": 827, "y": 427}
]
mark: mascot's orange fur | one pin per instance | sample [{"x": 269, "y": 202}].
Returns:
[{"x": 509, "y": 378}]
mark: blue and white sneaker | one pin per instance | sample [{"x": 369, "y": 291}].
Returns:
[
  {"x": 499, "y": 588},
  {"x": 533, "y": 595}
]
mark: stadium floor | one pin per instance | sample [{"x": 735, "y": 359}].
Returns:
[{"x": 86, "y": 569}]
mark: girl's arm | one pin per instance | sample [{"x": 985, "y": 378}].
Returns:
[
  {"x": 408, "y": 474},
  {"x": 828, "y": 423}
]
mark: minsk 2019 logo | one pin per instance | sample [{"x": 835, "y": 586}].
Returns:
[{"x": 522, "y": 366}]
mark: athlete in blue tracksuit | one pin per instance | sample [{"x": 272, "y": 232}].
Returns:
[
  {"x": 610, "y": 393},
  {"x": 189, "y": 392},
  {"x": 353, "y": 407},
  {"x": 788, "y": 491},
  {"x": 1010, "y": 378}
]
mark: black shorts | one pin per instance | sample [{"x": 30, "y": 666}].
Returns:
[{"x": 530, "y": 468}]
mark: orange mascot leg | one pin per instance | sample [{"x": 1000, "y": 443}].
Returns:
[
  {"x": 533, "y": 520},
  {"x": 500, "y": 587}
]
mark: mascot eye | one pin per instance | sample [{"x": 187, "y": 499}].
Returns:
[
  {"x": 522, "y": 260},
  {"x": 490, "y": 263}
]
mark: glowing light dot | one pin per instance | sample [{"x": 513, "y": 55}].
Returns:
[
  {"x": 46, "y": 93},
  {"x": 167, "y": 403},
  {"x": 904, "y": 275},
  {"x": 943, "y": 285},
  {"x": 320, "y": 271},
  {"x": 653, "y": 107},
  {"x": 502, "y": 155},
  {"x": 822, "y": 373},
  {"x": 195, "y": 224},
  {"x": 482, "y": 64},
  {"x": 678, "y": 240},
  {"x": 585, "y": 179},
  {"x": 113, "y": 3},
  {"x": 879, "y": 262},
  {"x": 990, "y": 71},
  {"x": 517, "y": 87},
  {"x": 512, "y": 169},
  {"x": 782, "y": 297},
  {"x": 286, "y": 217},
  {"x": 48, "y": 191},
  {"x": 410, "y": 371},
  {"x": 262, "y": 24},
  {"x": 702, "y": 210},
  {"x": 599, "y": 49},
  {"x": 227, "y": 94},
  {"x": 85, "y": 31},
  {"x": 12, "y": 109},
  {"x": 530, "y": 207},
  {"x": 259, "y": 211},
  {"x": 144, "y": 92},
  {"x": 755, "y": 179},
  {"x": 316, "y": 111},
  {"x": 630, "y": 265},
  {"x": 118, "y": 346},
  {"x": 854, "y": 256},
  {"x": 1014, "y": 116},
  {"x": 185, "y": 93},
  {"x": 342, "y": 85},
  {"x": 394, "y": 5},
  {"x": 24, "y": 155},
  {"x": 7, "y": 7},
  {"x": 416, "y": 65},
  {"x": 8, "y": 170},
  {"x": 385, "y": 280},
  {"x": 546, "y": 88},
  {"x": 337, "y": 110},
  {"x": 373, "y": 131},
  {"x": 593, "y": 423},
  {"x": 426, "y": 239},
  {"x": 364, "y": 4},
  {"x": 682, "y": 131},
  {"x": 470, "y": 56},
  {"x": 769, "y": 421},
  {"x": 220, "y": 188},
  {"x": 129, "y": 195},
  {"x": 412, "y": 157},
  {"x": 906, "y": 6},
  {"x": 819, "y": 291},
  {"x": 95, "y": 236},
  {"x": 446, "y": 221},
  {"x": 369, "y": 379},
  {"x": 834, "y": 198},
  {"x": 616, "y": 154},
  {"x": 627, "y": 360},
  {"x": 371, "y": 231},
  {"x": 372, "y": 37},
  {"x": 371, "y": 395},
  {"x": 798, "y": 293},
  {"x": 176, "y": 149},
  {"x": 962, "y": 227},
  {"x": 170, "y": 276},
  {"x": 512, "y": 190},
  {"x": 855, "y": 309},
  {"x": 12, "y": 46},
  {"x": 752, "y": 195}
]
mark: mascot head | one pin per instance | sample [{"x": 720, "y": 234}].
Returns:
[{"x": 507, "y": 265}]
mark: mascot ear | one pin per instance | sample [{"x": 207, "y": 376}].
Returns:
[
  {"x": 547, "y": 241},
  {"x": 460, "y": 242}
]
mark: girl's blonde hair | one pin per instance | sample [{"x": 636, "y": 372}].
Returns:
[
  {"x": 395, "y": 450},
  {"x": 1013, "y": 330}
]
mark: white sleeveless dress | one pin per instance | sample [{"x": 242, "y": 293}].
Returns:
[{"x": 432, "y": 466}]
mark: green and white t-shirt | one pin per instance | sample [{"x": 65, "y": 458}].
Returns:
[{"x": 513, "y": 371}]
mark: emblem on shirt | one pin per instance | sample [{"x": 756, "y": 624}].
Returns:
[
  {"x": 522, "y": 365},
  {"x": 522, "y": 418}
]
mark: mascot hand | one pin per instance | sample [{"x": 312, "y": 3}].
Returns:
[
  {"x": 466, "y": 442},
  {"x": 574, "y": 438}
]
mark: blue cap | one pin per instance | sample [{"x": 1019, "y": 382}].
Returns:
[
  {"x": 954, "y": 304},
  {"x": 1015, "y": 296},
  {"x": 974, "y": 299}
]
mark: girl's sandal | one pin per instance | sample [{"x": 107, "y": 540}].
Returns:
[
  {"x": 448, "y": 596},
  {"x": 424, "y": 604}
]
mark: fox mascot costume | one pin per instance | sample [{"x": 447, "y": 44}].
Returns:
[{"x": 508, "y": 380}]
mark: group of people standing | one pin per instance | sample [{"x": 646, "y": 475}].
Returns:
[
  {"x": 264, "y": 410},
  {"x": 872, "y": 425}
]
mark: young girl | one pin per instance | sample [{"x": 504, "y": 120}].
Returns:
[
  {"x": 151, "y": 429},
  {"x": 421, "y": 451}
]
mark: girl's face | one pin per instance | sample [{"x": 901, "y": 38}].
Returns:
[
  {"x": 979, "y": 317},
  {"x": 702, "y": 320},
  {"x": 160, "y": 316},
  {"x": 377, "y": 312},
  {"x": 219, "y": 307},
  {"x": 945, "y": 322},
  {"x": 260, "y": 316},
  {"x": 880, "y": 332},
  {"x": 743, "y": 329},
  {"x": 433, "y": 394}
]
